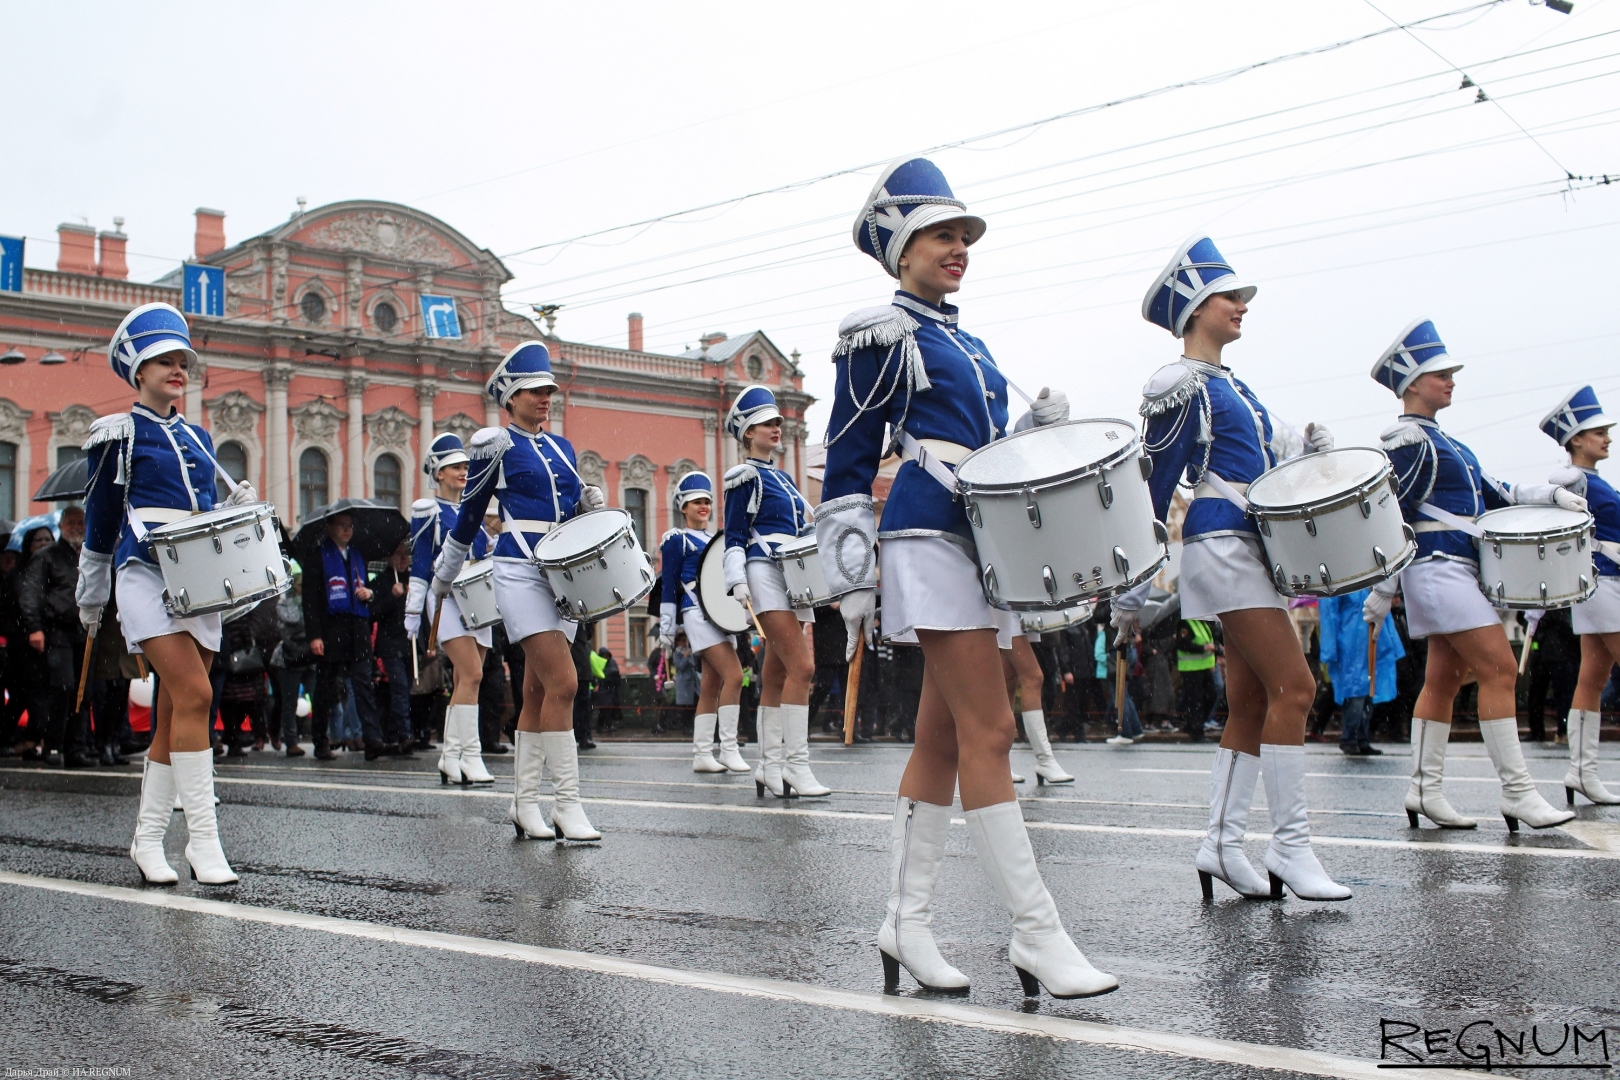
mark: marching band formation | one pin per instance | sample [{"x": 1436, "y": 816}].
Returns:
[{"x": 991, "y": 530}]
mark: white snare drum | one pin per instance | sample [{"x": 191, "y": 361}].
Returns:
[
  {"x": 1536, "y": 557},
  {"x": 474, "y": 589},
  {"x": 595, "y": 565},
  {"x": 718, "y": 605},
  {"x": 1036, "y": 623},
  {"x": 1331, "y": 522},
  {"x": 1061, "y": 515},
  {"x": 220, "y": 559},
  {"x": 800, "y": 561}
]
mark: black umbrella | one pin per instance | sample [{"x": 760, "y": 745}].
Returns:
[
  {"x": 71, "y": 481},
  {"x": 379, "y": 529}
]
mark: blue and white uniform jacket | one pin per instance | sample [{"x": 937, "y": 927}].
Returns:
[
  {"x": 907, "y": 376},
  {"x": 153, "y": 469},
  {"x": 536, "y": 478},
  {"x": 431, "y": 521},
  {"x": 1431, "y": 467},
  {"x": 1202, "y": 419},
  {"x": 1603, "y": 504},
  {"x": 764, "y": 510},
  {"x": 680, "y": 557}
]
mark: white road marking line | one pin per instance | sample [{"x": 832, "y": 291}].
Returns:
[
  {"x": 978, "y": 1017},
  {"x": 1603, "y": 835},
  {"x": 803, "y": 811},
  {"x": 1405, "y": 778}
]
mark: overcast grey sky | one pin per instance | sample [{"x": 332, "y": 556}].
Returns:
[{"x": 1360, "y": 188}]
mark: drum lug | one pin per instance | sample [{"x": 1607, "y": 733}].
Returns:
[
  {"x": 989, "y": 579},
  {"x": 1366, "y": 508},
  {"x": 258, "y": 530},
  {"x": 1280, "y": 578},
  {"x": 1310, "y": 526},
  {"x": 1121, "y": 563},
  {"x": 1580, "y": 542},
  {"x": 1327, "y": 579},
  {"x": 973, "y": 515},
  {"x": 1586, "y": 585},
  {"x": 568, "y": 575},
  {"x": 619, "y": 596},
  {"x": 172, "y": 556},
  {"x": 230, "y": 593},
  {"x": 184, "y": 602},
  {"x": 1033, "y": 510},
  {"x": 602, "y": 561},
  {"x": 219, "y": 548},
  {"x": 1160, "y": 533},
  {"x": 1105, "y": 492},
  {"x": 1411, "y": 536},
  {"x": 581, "y": 605},
  {"x": 1265, "y": 526},
  {"x": 1501, "y": 593},
  {"x": 270, "y": 575},
  {"x": 1380, "y": 558},
  {"x": 1497, "y": 545},
  {"x": 1544, "y": 593},
  {"x": 1050, "y": 581},
  {"x": 1147, "y": 466},
  {"x": 1541, "y": 553}
]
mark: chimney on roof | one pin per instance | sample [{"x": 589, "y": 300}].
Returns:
[
  {"x": 637, "y": 340},
  {"x": 210, "y": 232},
  {"x": 111, "y": 263},
  {"x": 76, "y": 249},
  {"x": 709, "y": 341}
]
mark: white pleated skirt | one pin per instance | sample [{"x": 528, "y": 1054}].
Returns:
[
  {"x": 1226, "y": 573},
  {"x": 767, "y": 590},
  {"x": 929, "y": 583},
  {"x": 528, "y": 606},
  {"x": 1600, "y": 614},
  {"x": 700, "y": 632},
  {"x": 451, "y": 627},
  {"x": 141, "y": 613},
  {"x": 1442, "y": 596}
]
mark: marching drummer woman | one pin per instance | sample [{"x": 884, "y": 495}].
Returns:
[
  {"x": 1579, "y": 426},
  {"x": 148, "y": 467},
  {"x": 908, "y": 367},
  {"x": 1207, "y": 425},
  {"x": 1442, "y": 488},
  {"x": 461, "y": 759},
  {"x": 764, "y": 510},
  {"x": 681, "y": 556},
  {"x": 539, "y": 488}
]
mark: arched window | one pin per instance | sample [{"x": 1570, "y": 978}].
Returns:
[
  {"x": 635, "y": 504},
  {"x": 385, "y": 480},
  {"x": 8, "y": 479},
  {"x": 232, "y": 457},
  {"x": 312, "y": 482},
  {"x": 385, "y": 317},
  {"x": 313, "y": 307}
]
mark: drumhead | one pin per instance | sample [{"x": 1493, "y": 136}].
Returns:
[
  {"x": 221, "y": 517},
  {"x": 1316, "y": 478},
  {"x": 581, "y": 535},
  {"x": 477, "y": 569},
  {"x": 719, "y": 607},
  {"x": 1043, "y": 454},
  {"x": 1532, "y": 521},
  {"x": 799, "y": 546}
]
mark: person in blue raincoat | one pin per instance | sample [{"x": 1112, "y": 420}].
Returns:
[{"x": 1343, "y": 636}]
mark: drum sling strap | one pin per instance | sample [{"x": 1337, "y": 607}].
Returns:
[
  {"x": 1450, "y": 520},
  {"x": 138, "y": 527},
  {"x": 913, "y": 449}
]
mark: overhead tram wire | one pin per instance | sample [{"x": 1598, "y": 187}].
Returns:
[{"x": 1204, "y": 80}]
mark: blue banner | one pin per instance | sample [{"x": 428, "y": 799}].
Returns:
[
  {"x": 439, "y": 317},
  {"x": 204, "y": 290},
  {"x": 11, "y": 263}
]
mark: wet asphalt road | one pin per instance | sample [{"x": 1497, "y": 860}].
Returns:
[{"x": 713, "y": 934}]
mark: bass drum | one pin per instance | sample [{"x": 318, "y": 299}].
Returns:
[{"x": 719, "y": 606}]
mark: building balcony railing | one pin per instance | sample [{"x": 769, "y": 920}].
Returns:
[
  {"x": 622, "y": 360},
  {"x": 96, "y": 290}
]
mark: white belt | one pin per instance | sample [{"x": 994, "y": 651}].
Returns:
[
  {"x": 527, "y": 525},
  {"x": 1214, "y": 487},
  {"x": 162, "y": 515},
  {"x": 933, "y": 455},
  {"x": 1445, "y": 521},
  {"x": 763, "y": 539}
]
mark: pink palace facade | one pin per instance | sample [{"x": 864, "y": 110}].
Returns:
[{"x": 319, "y": 382}]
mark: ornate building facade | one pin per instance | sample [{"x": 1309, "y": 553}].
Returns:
[{"x": 329, "y": 370}]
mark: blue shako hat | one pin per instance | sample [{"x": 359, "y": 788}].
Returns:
[
  {"x": 446, "y": 450},
  {"x": 910, "y": 194},
  {"x": 1418, "y": 351},
  {"x": 1578, "y": 412},
  {"x": 524, "y": 368},
  {"x": 150, "y": 330},
  {"x": 694, "y": 485},
  {"x": 755, "y": 405},
  {"x": 1197, "y": 272}
]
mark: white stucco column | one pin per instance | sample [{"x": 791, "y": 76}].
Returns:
[
  {"x": 278, "y": 490},
  {"x": 710, "y": 450},
  {"x": 356, "y": 449},
  {"x": 426, "y": 391}
]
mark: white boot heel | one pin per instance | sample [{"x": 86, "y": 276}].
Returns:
[
  {"x": 906, "y": 937},
  {"x": 194, "y": 780},
  {"x": 1047, "y": 769},
  {"x": 1520, "y": 799},
  {"x": 152, "y": 825},
  {"x": 528, "y": 762}
]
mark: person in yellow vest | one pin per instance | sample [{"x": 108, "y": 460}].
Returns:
[{"x": 1195, "y": 660}]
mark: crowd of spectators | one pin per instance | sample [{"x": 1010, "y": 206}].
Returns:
[{"x": 329, "y": 665}]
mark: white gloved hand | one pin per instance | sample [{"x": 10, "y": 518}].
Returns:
[
  {"x": 1568, "y": 500},
  {"x": 413, "y": 624},
  {"x": 90, "y": 617},
  {"x": 591, "y": 498},
  {"x": 1376, "y": 606},
  {"x": 857, "y": 608},
  {"x": 243, "y": 493},
  {"x": 740, "y": 593},
  {"x": 1319, "y": 437},
  {"x": 1125, "y": 622},
  {"x": 1050, "y": 407},
  {"x": 666, "y": 642}
]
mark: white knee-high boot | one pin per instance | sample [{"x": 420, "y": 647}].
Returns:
[
  {"x": 152, "y": 825},
  {"x": 472, "y": 753},
  {"x": 703, "y": 744},
  {"x": 1231, "y": 793},
  {"x": 1047, "y": 769},
  {"x": 1290, "y": 859},
  {"x": 768, "y": 774},
  {"x": 194, "y": 780},
  {"x": 1583, "y": 760},
  {"x": 795, "y": 723},
  {"x": 1520, "y": 799},
  {"x": 907, "y": 936},
  {"x": 729, "y": 756},
  {"x": 1425, "y": 795},
  {"x": 1041, "y": 949},
  {"x": 450, "y": 750},
  {"x": 528, "y": 762},
  {"x": 567, "y": 812}
]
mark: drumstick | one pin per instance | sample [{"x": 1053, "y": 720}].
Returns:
[
  {"x": 140, "y": 665},
  {"x": 852, "y": 691},
  {"x": 1119, "y": 691},
  {"x": 416, "y": 665},
  {"x": 84, "y": 671},
  {"x": 433, "y": 635},
  {"x": 751, "y": 615},
  {"x": 1372, "y": 660}
]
